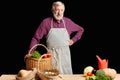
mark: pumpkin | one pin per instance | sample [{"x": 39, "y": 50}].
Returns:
[{"x": 110, "y": 72}]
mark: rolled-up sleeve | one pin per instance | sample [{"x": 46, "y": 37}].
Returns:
[{"x": 41, "y": 32}]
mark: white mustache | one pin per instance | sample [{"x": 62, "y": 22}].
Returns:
[{"x": 58, "y": 17}]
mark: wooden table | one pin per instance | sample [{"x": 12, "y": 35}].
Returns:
[{"x": 64, "y": 77}]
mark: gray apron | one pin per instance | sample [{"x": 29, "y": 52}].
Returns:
[{"x": 58, "y": 44}]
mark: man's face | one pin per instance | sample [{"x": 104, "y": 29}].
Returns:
[{"x": 58, "y": 12}]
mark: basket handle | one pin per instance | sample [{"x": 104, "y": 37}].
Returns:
[
  {"x": 29, "y": 53},
  {"x": 56, "y": 65},
  {"x": 36, "y": 46}
]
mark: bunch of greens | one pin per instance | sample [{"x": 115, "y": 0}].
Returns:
[{"x": 36, "y": 54}]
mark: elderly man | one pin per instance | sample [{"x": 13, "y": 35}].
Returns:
[{"x": 57, "y": 30}]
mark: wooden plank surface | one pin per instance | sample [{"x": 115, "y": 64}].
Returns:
[{"x": 63, "y": 77}]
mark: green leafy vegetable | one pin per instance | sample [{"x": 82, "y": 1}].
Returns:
[
  {"x": 36, "y": 54},
  {"x": 103, "y": 77},
  {"x": 100, "y": 73},
  {"x": 90, "y": 78}
]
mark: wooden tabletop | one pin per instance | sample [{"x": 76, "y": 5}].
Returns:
[{"x": 63, "y": 77}]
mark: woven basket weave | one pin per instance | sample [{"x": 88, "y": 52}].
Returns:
[{"x": 44, "y": 63}]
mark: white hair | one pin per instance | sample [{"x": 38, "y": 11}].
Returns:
[{"x": 57, "y": 3}]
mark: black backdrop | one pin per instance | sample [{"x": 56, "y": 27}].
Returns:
[{"x": 100, "y": 20}]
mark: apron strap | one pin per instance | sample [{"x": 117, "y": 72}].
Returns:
[{"x": 62, "y": 21}]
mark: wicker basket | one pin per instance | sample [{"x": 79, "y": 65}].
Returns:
[
  {"x": 44, "y": 63},
  {"x": 49, "y": 74}
]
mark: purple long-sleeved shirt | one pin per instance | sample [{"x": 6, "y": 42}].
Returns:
[{"x": 45, "y": 26}]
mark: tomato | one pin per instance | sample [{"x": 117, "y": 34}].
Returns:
[
  {"x": 47, "y": 55},
  {"x": 44, "y": 55},
  {"x": 90, "y": 74}
]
